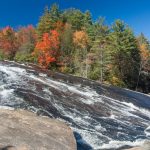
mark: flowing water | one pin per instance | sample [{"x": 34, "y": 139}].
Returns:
[{"x": 102, "y": 117}]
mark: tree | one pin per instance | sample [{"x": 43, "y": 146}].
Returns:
[
  {"x": 8, "y": 42},
  {"x": 145, "y": 56},
  {"x": 80, "y": 39},
  {"x": 55, "y": 13},
  {"x": 143, "y": 81},
  {"x": 125, "y": 55},
  {"x": 87, "y": 19},
  {"x": 47, "y": 50},
  {"x": 99, "y": 67},
  {"x": 27, "y": 38},
  {"x": 142, "y": 39},
  {"x": 26, "y": 35},
  {"x": 67, "y": 49},
  {"x": 44, "y": 24},
  {"x": 144, "y": 47},
  {"x": 48, "y": 20},
  {"x": 74, "y": 17}
]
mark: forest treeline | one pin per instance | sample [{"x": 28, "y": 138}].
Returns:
[{"x": 70, "y": 41}]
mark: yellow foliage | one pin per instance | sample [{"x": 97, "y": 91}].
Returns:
[
  {"x": 80, "y": 38},
  {"x": 116, "y": 81},
  {"x": 145, "y": 54}
]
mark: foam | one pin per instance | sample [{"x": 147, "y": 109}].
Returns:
[
  {"x": 117, "y": 144},
  {"x": 6, "y": 107}
]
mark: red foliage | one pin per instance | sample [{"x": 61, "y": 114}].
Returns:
[{"x": 47, "y": 49}]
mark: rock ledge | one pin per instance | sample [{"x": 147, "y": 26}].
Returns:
[{"x": 23, "y": 130}]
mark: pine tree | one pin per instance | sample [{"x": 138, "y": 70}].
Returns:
[
  {"x": 44, "y": 24},
  {"x": 55, "y": 13},
  {"x": 125, "y": 54},
  {"x": 87, "y": 19},
  {"x": 74, "y": 17},
  {"x": 101, "y": 51},
  {"x": 48, "y": 21}
]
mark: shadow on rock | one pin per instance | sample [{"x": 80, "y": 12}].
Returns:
[{"x": 81, "y": 143}]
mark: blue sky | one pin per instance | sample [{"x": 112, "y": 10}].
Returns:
[{"x": 136, "y": 13}]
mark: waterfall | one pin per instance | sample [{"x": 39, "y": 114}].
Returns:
[{"x": 101, "y": 116}]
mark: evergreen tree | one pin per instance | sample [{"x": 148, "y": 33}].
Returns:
[
  {"x": 74, "y": 17},
  {"x": 87, "y": 19},
  {"x": 44, "y": 24},
  {"x": 101, "y": 51},
  {"x": 48, "y": 21},
  {"x": 55, "y": 14},
  {"x": 125, "y": 55},
  {"x": 143, "y": 40}
]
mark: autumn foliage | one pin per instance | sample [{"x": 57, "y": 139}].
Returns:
[
  {"x": 145, "y": 56},
  {"x": 71, "y": 42},
  {"x": 144, "y": 52},
  {"x": 26, "y": 34},
  {"x": 80, "y": 38},
  {"x": 8, "y": 41},
  {"x": 47, "y": 50}
]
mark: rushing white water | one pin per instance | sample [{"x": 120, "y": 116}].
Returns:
[{"x": 101, "y": 117}]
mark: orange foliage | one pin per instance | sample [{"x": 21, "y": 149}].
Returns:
[
  {"x": 145, "y": 56},
  {"x": 47, "y": 49},
  {"x": 80, "y": 38}
]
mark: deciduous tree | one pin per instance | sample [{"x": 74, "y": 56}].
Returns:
[
  {"x": 47, "y": 50},
  {"x": 8, "y": 42},
  {"x": 80, "y": 39}
]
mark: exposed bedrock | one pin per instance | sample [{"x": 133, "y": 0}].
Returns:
[{"x": 23, "y": 130}]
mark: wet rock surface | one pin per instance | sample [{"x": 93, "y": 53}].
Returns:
[
  {"x": 102, "y": 117},
  {"x": 22, "y": 130}
]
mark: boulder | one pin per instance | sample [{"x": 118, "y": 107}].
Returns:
[{"x": 23, "y": 130}]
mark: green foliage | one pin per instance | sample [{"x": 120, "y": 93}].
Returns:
[
  {"x": 48, "y": 20},
  {"x": 94, "y": 72},
  {"x": 87, "y": 19},
  {"x": 125, "y": 54},
  {"x": 24, "y": 54},
  {"x": 66, "y": 47},
  {"x": 55, "y": 13},
  {"x": 24, "y": 57},
  {"x": 100, "y": 47},
  {"x": 74, "y": 17},
  {"x": 67, "y": 40},
  {"x": 2, "y": 55}
]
